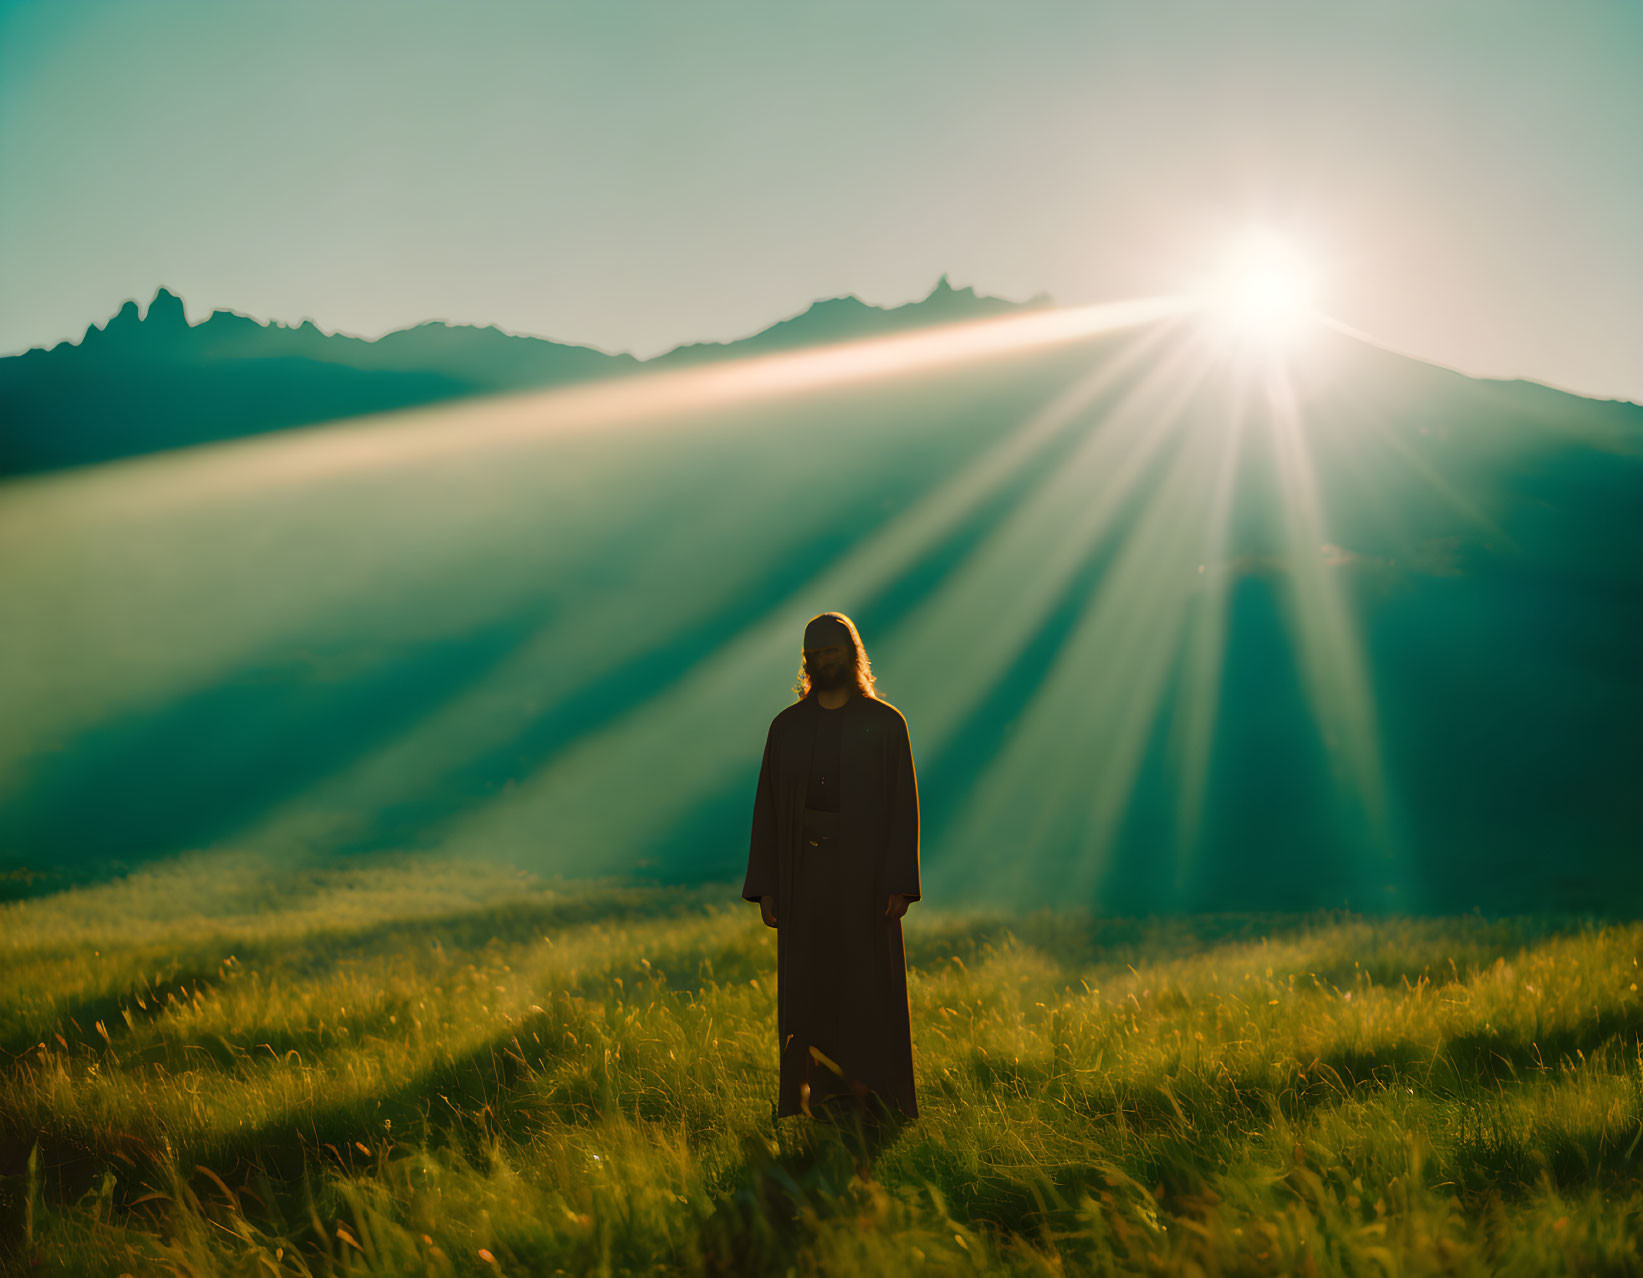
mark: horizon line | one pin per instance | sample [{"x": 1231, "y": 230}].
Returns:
[{"x": 1036, "y": 300}]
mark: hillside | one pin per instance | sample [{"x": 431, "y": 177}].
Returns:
[{"x": 1171, "y": 630}]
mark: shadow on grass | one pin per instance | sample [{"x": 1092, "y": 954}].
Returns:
[
  {"x": 465, "y": 1100},
  {"x": 1075, "y": 941},
  {"x": 322, "y": 949},
  {"x": 820, "y": 1168},
  {"x": 1174, "y": 1130}
]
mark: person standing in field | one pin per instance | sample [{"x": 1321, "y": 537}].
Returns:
[{"x": 833, "y": 864}]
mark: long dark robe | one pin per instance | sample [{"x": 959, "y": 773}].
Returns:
[{"x": 841, "y": 966}]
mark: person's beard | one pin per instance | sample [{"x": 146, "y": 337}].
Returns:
[{"x": 829, "y": 678}]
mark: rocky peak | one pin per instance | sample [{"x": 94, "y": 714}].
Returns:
[
  {"x": 944, "y": 291},
  {"x": 125, "y": 318},
  {"x": 166, "y": 310}
]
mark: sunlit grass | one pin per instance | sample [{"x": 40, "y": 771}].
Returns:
[{"x": 459, "y": 1068}]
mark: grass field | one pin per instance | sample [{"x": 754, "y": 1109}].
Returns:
[{"x": 221, "y": 1068}]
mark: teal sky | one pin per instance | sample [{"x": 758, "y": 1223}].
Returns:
[{"x": 638, "y": 175}]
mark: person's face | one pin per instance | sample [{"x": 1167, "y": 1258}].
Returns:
[{"x": 829, "y": 666}]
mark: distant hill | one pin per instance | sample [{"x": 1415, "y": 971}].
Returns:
[
  {"x": 147, "y": 382},
  {"x": 1170, "y": 632},
  {"x": 843, "y": 319}
]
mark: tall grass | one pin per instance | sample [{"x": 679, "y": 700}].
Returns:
[{"x": 438, "y": 1068}]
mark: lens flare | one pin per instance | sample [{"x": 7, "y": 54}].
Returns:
[{"x": 1264, "y": 290}]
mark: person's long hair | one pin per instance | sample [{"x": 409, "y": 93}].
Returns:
[{"x": 865, "y": 683}]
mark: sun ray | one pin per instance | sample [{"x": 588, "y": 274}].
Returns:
[
  {"x": 419, "y": 480},
  {"x": 571, "y": 652},
  {"x": 573, "y": 792},
  {"x": 1207, "y": 623},
  {"x": 1334, "y": 667},
  {"x": 1148, "y": 622},
  {"x": 1104, "y": 688},
  {"x": 647, "y": 400},
  {"x": 1030, "y": 560},
  {"x": 1358, "y": 423}
]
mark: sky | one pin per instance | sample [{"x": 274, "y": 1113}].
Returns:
[{"x": 1466, "y": 177}]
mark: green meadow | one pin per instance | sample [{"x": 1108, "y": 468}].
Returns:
[{"x": 221, "y": 1066}]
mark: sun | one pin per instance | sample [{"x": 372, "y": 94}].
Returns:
[{"x": 1264, "y": 289}]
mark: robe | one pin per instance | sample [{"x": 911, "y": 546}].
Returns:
[{"x": 841, "y": 966}]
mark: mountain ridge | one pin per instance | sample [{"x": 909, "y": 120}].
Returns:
[
  {"x": 131, "y": 312},
  {"x": 146, "y": 380},
  {"x": 1368, "y": 641}
]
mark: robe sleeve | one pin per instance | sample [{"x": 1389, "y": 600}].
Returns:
[
  {"x": 762, "y": 859},
  {"x": 901, "y": 852}
]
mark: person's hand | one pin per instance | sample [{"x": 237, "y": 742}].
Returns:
[
  {"x": 898, "y": 905},
  {"x": 767, "y": 908}
]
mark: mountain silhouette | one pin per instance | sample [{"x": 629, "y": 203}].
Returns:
[
  {"x": 145, "y": 383},
  {"x": 1170, "y": 631},
  {"x": 842, "y": 319}
]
